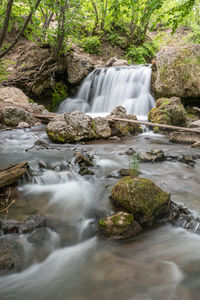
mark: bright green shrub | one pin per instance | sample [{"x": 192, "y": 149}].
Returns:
[
  {"x": 91, "y": 44},
  {"x": 141, "y": 54}
]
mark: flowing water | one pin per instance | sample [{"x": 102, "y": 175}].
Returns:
[
  {"x": 72, "y": 262},
  {"x": 106, "y": 88}
]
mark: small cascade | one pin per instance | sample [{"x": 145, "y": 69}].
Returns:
[{"x": 106, "y": 88}]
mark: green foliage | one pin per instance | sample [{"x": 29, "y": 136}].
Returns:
[
  {"x": 91, "y": 44},
  {"x": 118, "y": 40},
  {"x": 141, "y": 54},
  {"x": 4, "y": 64},
  {"x": 3, "y": 72},
  {"x": 194, "y": 36},
  {"x": 59, "y": 94},
  {"x": 123, "y": 21}
]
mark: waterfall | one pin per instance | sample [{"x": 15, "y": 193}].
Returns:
[{"x": 106, "y": 88}]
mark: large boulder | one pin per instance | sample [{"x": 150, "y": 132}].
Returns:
[
  {"x": 141, "y": 197},
  {"x": 14, "y": 95},
  {"x": 185, "y": 138},
  {"x": 12, "y": 116},
  {"x": 101, "y": 127},
  {"x": 168, "y": 112},
  {"x": 177, "y": 72},
  {"x": 77, "y": 126},
  {"x": 119, "y": 226},
  {"x": 74, "y": 127},
  {"x": 78, "y": 67},
  {"x": 121, "y": 128}
]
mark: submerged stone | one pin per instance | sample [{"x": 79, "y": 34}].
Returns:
[
  {"x": 119, "y": 226},
  {"x": 141, "y": 197}
]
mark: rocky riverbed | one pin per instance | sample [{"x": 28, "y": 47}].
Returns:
[{"x": 73, "y": 204}]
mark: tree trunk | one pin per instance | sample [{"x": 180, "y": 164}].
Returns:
[
  {"x": 21, "y": 31},
  {"x": 61, "y": 28},
  {"x": 6, "y": 21}
]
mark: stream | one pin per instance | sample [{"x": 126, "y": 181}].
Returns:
[{"x": 69, "y": 260}]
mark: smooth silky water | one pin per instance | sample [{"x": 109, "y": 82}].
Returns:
[{"x": 74, "y": 262}]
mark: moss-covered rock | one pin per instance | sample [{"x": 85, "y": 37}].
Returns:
[
  {"x": 141, "y": 197},
  {"x": 168, "y": 112},
  {"x": 71, "y": 127},
  {"x": 177, "y": 72},
  {"x": 101, "y": 127},
  {"x": 119, "y": 128},
  {"x": 119, "y": 226},
  {"x": 77, "y": 126}
]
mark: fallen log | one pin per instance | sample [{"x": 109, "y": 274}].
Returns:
[
  {"x": 197, "y": 109},
  {"x": 155, "y": 124},
  {"x": 10, "y": 175},
  {"x": 44, "y": 118}
]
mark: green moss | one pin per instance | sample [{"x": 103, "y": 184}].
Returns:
[
  {"x": 59, "y": 94},
  {"x": 102, "y": 223},
  {"x": 56, "y": 137},
  {"x": 138, "y": 195}
]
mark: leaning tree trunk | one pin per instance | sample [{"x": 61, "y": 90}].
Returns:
[
  {"x": 6, "y": 21},
  {"x": 21, "y": 31}
]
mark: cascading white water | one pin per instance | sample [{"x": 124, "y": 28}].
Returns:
[{"x": 106, "y": 88}]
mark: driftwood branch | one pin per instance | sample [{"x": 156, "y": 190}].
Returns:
[
  {"x": 44, "y": 118},
  {"x": 197, "y": 109},
  {"x": 12, "y": 174},
  {"x": 157, "y": 125}
]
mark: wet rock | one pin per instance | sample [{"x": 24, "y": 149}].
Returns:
[
  {"x": 177, "y": 72},
  {"x": 186, "y": 159},
  {"x": 11, "y": 227},
  {"x": 119, "y": 226},
  {"x": 101, "y": 128},
  {"x": 154, "y": 155},
  {"x": 185, "y": 138},
  {"x": 12, "y": 116},
  {"x": 168, "y": 112},
  {"x": 23, "y": 125},
  {"x": 42, "y": 164},
  {"x": 85, "y": 171},
  {"x": 33, "y": 222},
  {"x": 14, "y": 95},
  {"x": 84, "y": 159},
  {"x": 181, "y": 216},
  {"x": 120, "y": 128},
  {"x": 127, "y": 172},
  {"x": 11, "y": 256},
  {"x": 141, "y": 197},
  {"x": 130, "y": 151},
  {"x": 75, "y": 127}
]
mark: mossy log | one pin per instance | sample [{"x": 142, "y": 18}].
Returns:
[{"x": 12, "y": 174}]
